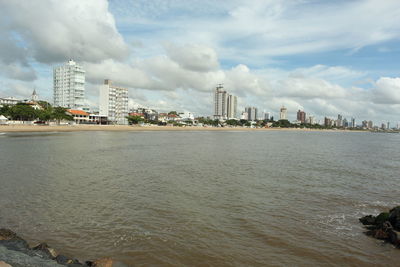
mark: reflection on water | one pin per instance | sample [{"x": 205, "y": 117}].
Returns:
[{"x": 201, "y": 198}]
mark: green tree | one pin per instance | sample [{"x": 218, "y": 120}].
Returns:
[
  {"x": 5, "y": 110},
  {"x": 60, "y": 113},
  {"x": 172, "y": 113},
  {"x": 23, "y": 112},
  {"x": 134, "y": 119}
]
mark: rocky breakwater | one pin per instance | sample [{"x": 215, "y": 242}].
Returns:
[
  {"x": 385, "y": 226},
  {"x": 16, "y": 252}
]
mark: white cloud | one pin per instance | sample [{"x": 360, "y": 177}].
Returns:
[
  {"x": 386, "y": 91},
  {"x": 193, "y": 57},
  {"x": 54, "y": 31}
]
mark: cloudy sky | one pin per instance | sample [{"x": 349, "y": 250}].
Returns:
[{"x": 326, "y": 57}]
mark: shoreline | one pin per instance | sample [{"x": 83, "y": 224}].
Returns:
[{"x": 128, "y": 128}]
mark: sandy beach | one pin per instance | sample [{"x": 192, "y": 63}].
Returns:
[{"x": 75, "y": 128}]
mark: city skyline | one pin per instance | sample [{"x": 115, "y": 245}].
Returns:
[{"x": 174, "y": 66}]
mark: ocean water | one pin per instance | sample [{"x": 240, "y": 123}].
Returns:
[{"x": 259, "y": 198}]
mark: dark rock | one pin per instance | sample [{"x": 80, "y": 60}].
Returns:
[
  {"x": 394, "y": 218},
  {"x": 393, "y": 237},
  {"x": 380, "y": 234},
  {"x": 7, "y": 234},
  {"x": 12, "y": 241},
  {"x": 61, "y": 259},
  {"x": 381, "y": 218},
  {"x": 368, "y": 220},
  {"x": 45, "y": 251}
]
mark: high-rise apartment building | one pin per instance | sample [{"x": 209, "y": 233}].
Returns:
[
  {"x": 283, "y": 113},
  {"x": 339, "y": 121},
  {"x": 232, "y": 107},
  {"x": 225, "y": 105},
  {"x": 251, "y": 113},
  {"x": 301, "y": 116},
  {"x": 220, "y": 102},
  {"x": 69, "y": 86},
  {"x": 114, "y": 103}
]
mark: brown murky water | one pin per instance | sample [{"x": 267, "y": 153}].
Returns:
[{"x": 202, "y": 198}]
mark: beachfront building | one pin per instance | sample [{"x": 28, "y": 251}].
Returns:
[
  {"x": 301, "y": 116},
  {"x": 79, "y": 116},
  {"x": 114, "y": 103},
  {"x": 283, "y": 113},
  {"x": 9, "y": 101},
  {"x": 232, "y": 107},
  {"x": 225, "y": 105},
  {"x": 251, "y": 113},
  {"x": 69, "y": 86},
  {"x": 220, "y": 102}
]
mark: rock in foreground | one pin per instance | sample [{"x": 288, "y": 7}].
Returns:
[
  {"x": 16, "y": 252},
  {"x": 385, "y": 226}
]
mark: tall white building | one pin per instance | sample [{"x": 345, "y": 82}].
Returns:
[
  {"x": 225, "y": 105},
  {"x": 232, "y": 107},
  {"x": 114, "y": 103},
  {"x": 252, "y": 113},
  {"x": 69, "y": 86},
  {"x": 220, "y": 102},
  {"x": 283, "y": 113}
]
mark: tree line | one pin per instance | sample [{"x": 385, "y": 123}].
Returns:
[{"x": 25, "y": 112}]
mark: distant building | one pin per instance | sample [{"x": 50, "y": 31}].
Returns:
[
  {"x": 114, "y": 103},
  {"x": 266, "y": 116},
  {"x": 327, "y": 122},
  {"x": 9, "y": 101},
  {"x": 353, "y": 123},
  {"x": 283, "y": 113},
  {"x": 251, "y": 113},
  {"x": 245, "y": 116},
  {"x": 311, "y": 120},
  {"x": 34, "y": 96},
  {"x": 220, "y": 102},
  {"x": 370, "y": 124},
  {"x": 339, "y": 121},
  {"x": 232, "y": 107},
  {"x": 69, "y": 86},
  {"x": 80, "y": 116},
  {"x": 225, "y": 105},
  {"x": 364, "y": 124},
  {"x": 301, "y": 116}
]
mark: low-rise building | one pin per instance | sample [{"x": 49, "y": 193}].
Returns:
[
  {"x": 8, "y": 101},
  {"x": 79, "y": 116}
]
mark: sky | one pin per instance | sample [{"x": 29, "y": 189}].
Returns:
[{"x": 323, "y": 57}]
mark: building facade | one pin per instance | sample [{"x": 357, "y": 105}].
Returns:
[
  {"x": 225, "y": 105},
  {"x": 283, "y": 113},
  {"x": 69, "y": 86},
  {"x": 301, "y": 116},
  {"x": 220, "y": 102},
  {"x": 251, "y": 113},
  {"x": 232, "y": 107},
  {"x": 114, "y": 103}
]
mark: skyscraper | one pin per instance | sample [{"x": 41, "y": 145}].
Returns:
[
  {"x": 301, "y": 116},
  {"x": 339, "y": 121},
  {"x": 232, "y": 107},
  {"x": 251, "y": 113},
  {"x": 283, "y": 113},
  {"x": 114, "y": 103},
  {"x": 225, "y": 105},
  {"x": 220, "y": 102},
  {"x": 69, "y": 86}
]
